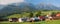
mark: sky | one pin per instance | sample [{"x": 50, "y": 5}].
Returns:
[
  {"x": 5, "y": 2},
  {"x": 54, "y": 2}
]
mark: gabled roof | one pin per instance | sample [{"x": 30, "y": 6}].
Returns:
[{"x": 58, "y": 14}]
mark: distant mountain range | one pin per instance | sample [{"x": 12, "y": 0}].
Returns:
[
  {"x": 47, "y": 7},
  {"x": 23, "y": 6}
]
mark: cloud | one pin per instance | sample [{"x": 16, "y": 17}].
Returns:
[{"x": 4, "y": 2}]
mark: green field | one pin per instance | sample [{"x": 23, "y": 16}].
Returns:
[
  {"x": 27, "y": 14},
  {"x": 40, "y": 22}
]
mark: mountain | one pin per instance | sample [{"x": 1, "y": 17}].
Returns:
[
  {"x": 19, "y": 8},
  {"x": 46, "y": 7},
  {"x": 2, "y": 6}
]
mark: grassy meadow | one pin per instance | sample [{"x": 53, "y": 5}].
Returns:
[{"x": 40, "y": 22}]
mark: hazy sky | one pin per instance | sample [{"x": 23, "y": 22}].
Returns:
[
  {"x": 54, "y": 2},
  {"x": 4, "y": 2}
]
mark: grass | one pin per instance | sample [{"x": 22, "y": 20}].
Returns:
[
  {"x": 40, "y": 22},
  {"x": 53, "y": 22}
]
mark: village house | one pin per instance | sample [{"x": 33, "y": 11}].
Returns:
[
  {"x": 20, "y": 20},
  {"x": 13, "y": 19},
  {"x": 57, "y": 16}
]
